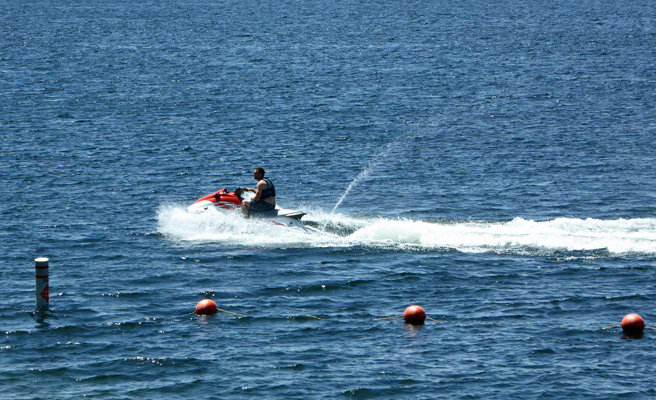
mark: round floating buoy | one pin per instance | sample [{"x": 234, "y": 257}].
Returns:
[
  {"x": 633, "y": 323},
  {"x": 414, "y": 315},
  {"x": 205, "y": 307}
]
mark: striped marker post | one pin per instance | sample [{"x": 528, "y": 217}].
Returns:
[{"x": 42, "y": 291}]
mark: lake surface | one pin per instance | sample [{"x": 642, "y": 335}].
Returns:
[{"x": 492, "y": 163}]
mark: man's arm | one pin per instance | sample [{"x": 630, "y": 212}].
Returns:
[{"x": 261, "y": 185}]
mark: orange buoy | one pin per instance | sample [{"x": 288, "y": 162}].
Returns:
[
  {"x": 633, "y": 323},
  {"x": 414, "y": 315},
  {"x": 206, "y": 306}
]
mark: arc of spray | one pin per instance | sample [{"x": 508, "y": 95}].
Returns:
[
  {"x": 374, "y": 162},
  {"x": 354, "y": 182}
]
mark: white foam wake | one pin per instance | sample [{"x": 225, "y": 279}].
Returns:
[
  {"x": 615, "y": 236},
  {"x": 621, "y": 236}
]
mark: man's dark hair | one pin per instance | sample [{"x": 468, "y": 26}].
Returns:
[{"x": 260, "y": 170}]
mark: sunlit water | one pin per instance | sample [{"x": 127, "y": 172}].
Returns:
[{"x": 491, "y": 162}]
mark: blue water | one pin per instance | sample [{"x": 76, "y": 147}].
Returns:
[{"x": 493, "y": 163}]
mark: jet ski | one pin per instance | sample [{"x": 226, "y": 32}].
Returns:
[{"x": 223, "y": 199}]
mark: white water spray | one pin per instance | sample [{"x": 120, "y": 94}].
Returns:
[
  {"x": 355, "y": 181},
  {"x": 377, "y": 159},
  {"x": 561, "y": 237}
]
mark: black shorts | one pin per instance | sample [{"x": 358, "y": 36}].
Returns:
[{"x": 260, "y": 206}]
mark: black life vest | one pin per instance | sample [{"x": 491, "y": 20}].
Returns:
[{"x": 270, "y": 190}]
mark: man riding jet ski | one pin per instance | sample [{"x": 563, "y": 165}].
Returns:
[
  {"x": 265, "y": 195},
  {"x": 263, "y": 207}
]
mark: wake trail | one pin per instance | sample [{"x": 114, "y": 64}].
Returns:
[{"x": 518, "y": 236}]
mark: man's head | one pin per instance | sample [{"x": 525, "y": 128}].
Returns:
[{"x": 258, "y": 173}]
